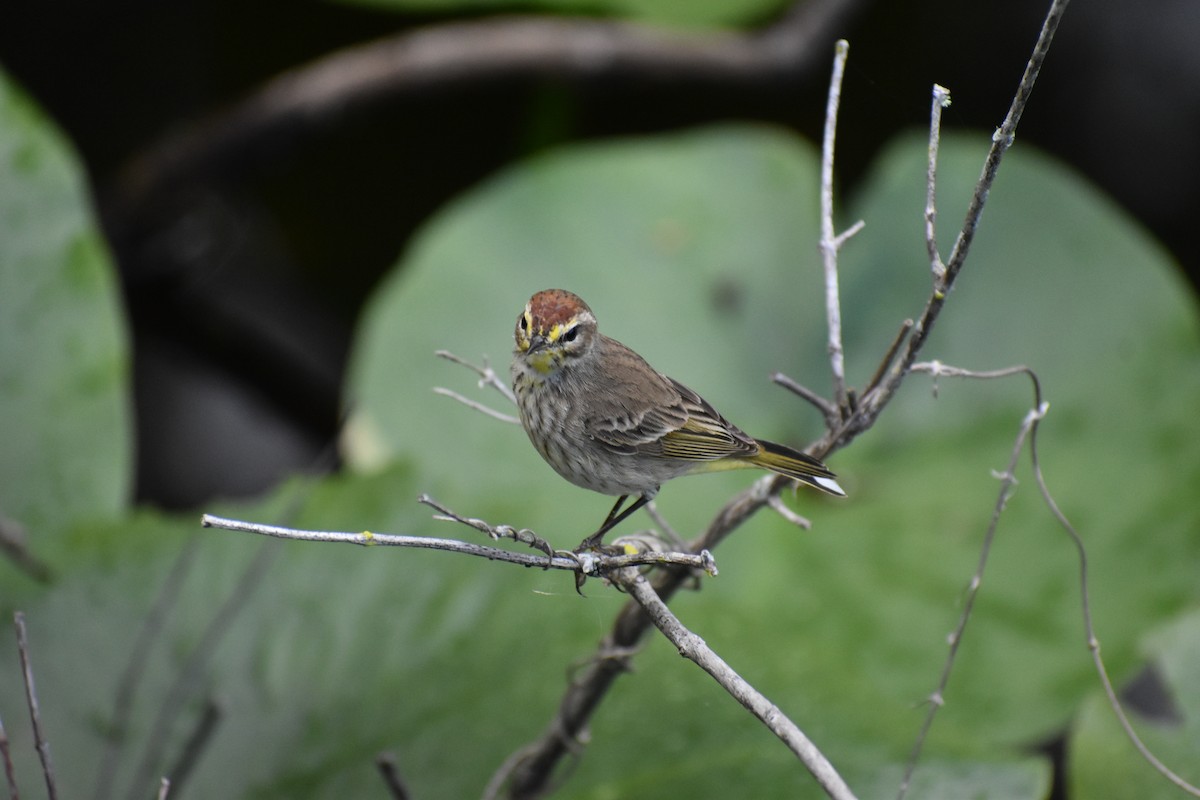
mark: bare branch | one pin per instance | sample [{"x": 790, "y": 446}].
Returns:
[
  {"x": 872, "y": 403},
  {"x": 164, "y": 788},
  {"x": 827, "y": 409},
  {"x": 588, "y": 563},
  {"x": 696, "y": 650},
  {"x": 35, "y": 715},
  {"x": 480, "y": 407}
]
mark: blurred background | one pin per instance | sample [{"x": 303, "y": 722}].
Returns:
[
  {"x": 246, "y": 249},
  {"x": 263, "y": 172}
]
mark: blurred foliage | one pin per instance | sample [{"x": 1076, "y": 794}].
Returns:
[
  {"x": 682, "y": 13},
  {"x": 699, "y": 250},
  {"x": 65, "y": 446}
]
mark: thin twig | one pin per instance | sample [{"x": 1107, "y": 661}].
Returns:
[
  {"x": 1003, "y": 138},
  {"x": 35, "y": 715},
  {"x": 389, "y": 770},
  {"x": 10, "y": 775},
  {"x": 941, "y": 100},
  {"x": 164, "y": 788},
  {"x": 777, "y": 505},
  {"x": 668, "y": 530},
  {"x": 15, "y": 544},
  {"x": 889, "y": 356},
  {"x": 480, "y": 407},
  {"x": 827, "y": 409},
  {"x": 697, "y": 650}
]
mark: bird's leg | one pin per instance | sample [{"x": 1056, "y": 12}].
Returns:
[{"x": 614, "y": 518}]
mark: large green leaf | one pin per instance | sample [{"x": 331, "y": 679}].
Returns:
[
  {"x": 328, "y": 656},
  {"x": 64, "y": 418}
]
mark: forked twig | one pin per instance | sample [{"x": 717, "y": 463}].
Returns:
[
  {"x": 873, "y": 402},
  {"x": 487, "y": 375}
]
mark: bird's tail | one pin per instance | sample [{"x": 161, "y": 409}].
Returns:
[{"x": 794, "y": 464}]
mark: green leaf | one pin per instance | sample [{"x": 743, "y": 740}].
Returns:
[{"x": 64, "y": 416}]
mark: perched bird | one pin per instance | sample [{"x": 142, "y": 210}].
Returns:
[{"x": 606, "y": 420}]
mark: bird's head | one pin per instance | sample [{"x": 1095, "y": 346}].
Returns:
[{"x": 555, "y": 328}]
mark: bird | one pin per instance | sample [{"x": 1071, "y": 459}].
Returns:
[{"x": 607, "y": 421}]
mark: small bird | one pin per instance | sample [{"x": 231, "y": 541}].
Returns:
[{"x": 606, "y": 420}]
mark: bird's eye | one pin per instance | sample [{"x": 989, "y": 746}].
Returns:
[
  {"x": 571, "y": 334},
  {"x": 523, "y": 322}
]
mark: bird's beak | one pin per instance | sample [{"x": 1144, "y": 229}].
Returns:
[{"x": 536, "y": 342}]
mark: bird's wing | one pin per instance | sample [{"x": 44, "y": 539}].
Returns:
[
  {"x": 673, "y": 422},
  {"x": 629, "y": 429},
  {"x": 706, "y": 436}
]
